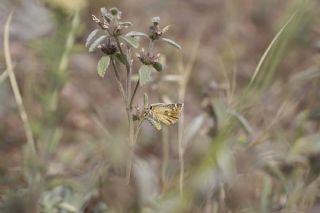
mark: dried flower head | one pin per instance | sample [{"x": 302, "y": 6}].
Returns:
[
  {"x": 109, "y": 48},
  {"x": 155, "y": 32},
  {"x": 111, "y": 21},
  {"x": 148, "y": 57}
]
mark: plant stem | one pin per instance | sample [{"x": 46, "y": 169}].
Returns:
[
  {"x": 15, "y": 88},
  {"x": 128, "y": 109},
  {"x": 120, "y": 86},
  {"x": 134, "y": 93},
  {"x": 137, "y": 132},
  {"x": 34, "y": 185},
  {"x": 165, "y": 150},
  {"x": 186, "y": 71}
]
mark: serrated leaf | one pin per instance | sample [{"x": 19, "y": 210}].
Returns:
[
  {"x": 91, "y": 36},
  {"x": 96, "y": 43},
  {"x": 157, "y": 66},
  {"x": 134, "y": 33},
  {"x": 144, "y": 74},
  {"x": 103, "y": 65},
  {"x": 173, "y": 43},
  {"x": 121, "y": 58},
  {"x": 154, "y": 123},
  {"x": 132, "y": 41}
]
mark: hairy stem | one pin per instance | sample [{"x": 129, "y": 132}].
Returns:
[
  {"x": 120, "y": 86},
  {"x": 134, "y": 93},
  {"x": 128, "y": 109}
]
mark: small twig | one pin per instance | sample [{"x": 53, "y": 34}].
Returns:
[
  {"x": 182, "y": 91},
  {"x": 137, "y": 132},
  {"x": 165, "y": 158},
  {"x": 134, "y": 93},
  {"x": 69, "y": 43},
  {"x": 15, "y": 88},
  {"x": 128, "y": 109},
  {"x": 122, "y": 53},
  {"x": 120, "y": 86}
]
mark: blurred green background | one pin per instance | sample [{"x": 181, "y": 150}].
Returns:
[{"x": 248, "y": 74}]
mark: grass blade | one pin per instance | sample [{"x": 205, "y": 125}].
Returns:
[
  {"x": 15, "y": 88},
  {"x": 268, "y": 50}
]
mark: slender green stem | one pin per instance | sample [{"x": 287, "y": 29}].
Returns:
[
  {"x": 120, "y": 86},
  {"x": 127, "y": 66},
  {"x": 122, "y": 53},
  {"x": 182, "y": 91},
  {"x": 129, "y": 110},
  {"x": 137, "y": 132},
  {"x": 15, "y": 87},
  {"x": 165, "y": 158},
  {"x": 134, "y": 93}
]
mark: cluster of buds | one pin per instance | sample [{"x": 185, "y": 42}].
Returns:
[
  {"x": 111, "y": 22},
  {"x": 148, "y": 57},
  {"x": 109, "y": 48},
  {"x": 155, "y": 32}
]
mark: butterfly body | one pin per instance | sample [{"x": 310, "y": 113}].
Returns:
[{"x": 163, "y": 113}]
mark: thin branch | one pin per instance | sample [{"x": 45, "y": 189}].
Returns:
[
  {"x": 182, "y": 91},
  {"x": 127, "y": 68},
  {"x": 120, "y": 86},
  {"x": 15, "y": 88},
  {"x": 129, "y": 110},
  {"x": 165, "y": 158},
  {"x": 122, "y": 53},
  {"x": 137, "y": 132},
  {"x": 134, "y": 93}
]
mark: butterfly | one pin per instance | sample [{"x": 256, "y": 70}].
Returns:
[{"x": 162, "y": 113}]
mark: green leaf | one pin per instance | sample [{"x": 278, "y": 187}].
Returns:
[
  {"x": 243, "y": 121},
  {"x": 157, "y": 66},
  {"x": 132, "y": 41},
  {"x": 134, "y": 34},
  {"x": 103, "y": 65},
  {"x": 121, "y": 58},
  {"x": 173, "y": 43},
  {"x": 144, "y": 74},
  {"x": 307, "y": 145},
  {"x": 91, "y": 36},
  {"x": 96, "y": 43}
]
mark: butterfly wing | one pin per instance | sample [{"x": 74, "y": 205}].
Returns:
[
  {"x": 155, "y": 124},
  {"x": 166, "y": 113}
]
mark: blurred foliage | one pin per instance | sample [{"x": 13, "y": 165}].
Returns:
[
  {"x": 250, "y": 140},
  {"x": 69, "y": 6}
]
